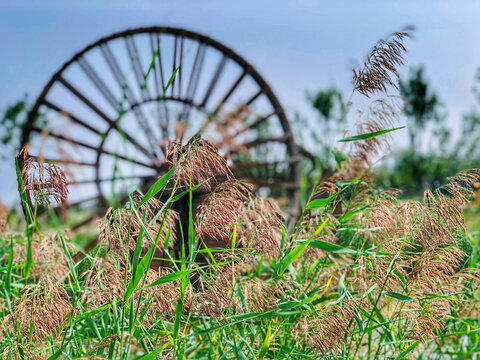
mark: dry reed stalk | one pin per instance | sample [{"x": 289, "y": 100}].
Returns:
[{"x": 41, "y": 310}]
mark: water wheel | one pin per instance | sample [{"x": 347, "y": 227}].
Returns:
[{"x": 107, "y": 115}]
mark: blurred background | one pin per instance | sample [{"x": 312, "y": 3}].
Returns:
[{"x": 304, "y": 49}]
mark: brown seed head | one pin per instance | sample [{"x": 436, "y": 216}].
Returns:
[
  {"x": 44, "y": 183},
  {"x": 198, "y": 162},
  {"x": 42, "y": 309},
  {"x": 381, "y": 65}
]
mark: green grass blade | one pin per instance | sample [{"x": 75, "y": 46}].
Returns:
[
  {"x": 407, "y": 350},
  {"x": 152, "y": 355},
  {"x": 139, "y": 271},
  {"x": 295, "y": 253},
  {"x": 157, "y": 187},
  {"x": 171, "y": 277},
  {"x": 331, "y": 247},
  {"x": 399, "y": 296},
  {"x": 29, "y": 219},
  {"x": 370, "y": 135},
  {"x": 8, "y": 275},
  {"x": 319, "y": 203}
]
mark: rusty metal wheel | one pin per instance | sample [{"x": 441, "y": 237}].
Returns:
[{"x": 107, "y": 115}]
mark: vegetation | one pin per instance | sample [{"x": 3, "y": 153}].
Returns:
[{"x": 201, "y": 267}]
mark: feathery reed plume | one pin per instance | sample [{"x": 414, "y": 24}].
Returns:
[
  {"x": 226, "y": 289},
  {"x": 160, "y": 300},
  {"x": 105, "y": 281},
  {"x": 198, "y": 162},
  {"x": 17, "y": 351},
  {"x": 325, "y": 331},
  {"x": 476, "y": 194},
  {"x": 121, "y": 227},
  {"x": 260, "y": 226},
  {"x": 428, "y": 320},
  {"x": 41, "y": 310},
  {"x": 232, "y": 204},
  {"x": 44, "y": 183},
  {"x": 3, "y": 216},
  {"x": 48, "y": 256},
  {"x": 381, "y": 64},
  {"x": 462, "y": 188},
  {"x": 429, "y": 238},
  {"x": 219, "y": 213},
  {"x": 381, "y": 114}
]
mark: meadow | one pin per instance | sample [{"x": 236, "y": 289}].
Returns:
[{"x": 201, "y": 267}]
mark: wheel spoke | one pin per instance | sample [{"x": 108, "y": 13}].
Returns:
[
  {"x": 120, "y": 178},
  {"x": 213, "y": 82},
  {"x": 91, "y": 147},
  {"x": 172, "y": 86},
  {"x": 84, "y": 99},
  {"x": 241, "y": 166},
  {"x": 72, "y": 118},
  {"x": 193, "y": 80},
  {"x": 85, "y": 222},
  {"x": 256, "y": 123},
  {"x": 60, "y": 161},
  {"x": 100, "y": 113},
  {"x": 159, "y": 86},
  {"x": 83, "y": 201},
  {"x": 137, "y": 65},
  {"x": 117, "y": 73},
  {"x": 180, "y": 68},
  {"x": 123, "y": 84},
  {"x": 98, "y": 82},
  {"x": 261, "y": 141},
  {"x": 229, "y": 93}
]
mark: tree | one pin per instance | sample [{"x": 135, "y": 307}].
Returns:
[{"x": 421, "y": 105}]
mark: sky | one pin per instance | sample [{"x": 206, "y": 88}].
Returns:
[{"x": 298, "y": 46}]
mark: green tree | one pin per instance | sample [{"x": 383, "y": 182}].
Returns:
[
  {"x": 421, "y": 105},
  {"x": 426, "y": 162}
]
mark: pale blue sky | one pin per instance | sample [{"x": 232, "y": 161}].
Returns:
[{"x": 297, "y": 46}]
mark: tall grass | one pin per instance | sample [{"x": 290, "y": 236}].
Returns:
[{"x": 203, "y": 268}]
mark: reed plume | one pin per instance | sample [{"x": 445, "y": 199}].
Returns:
[
  {"x": 40, "y": 312},
  {"x": 379, "y": 70},
  {"x": 198, "y": 163},
  {"x": 3, "y": 216},
  {"x": 44, "y": 183},
  {"x": 48, "y": 256}
]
